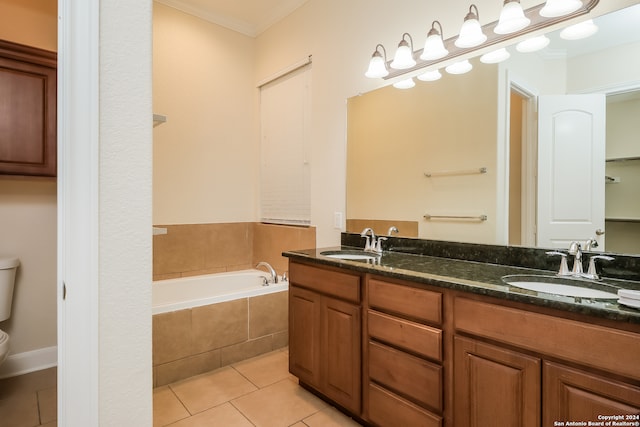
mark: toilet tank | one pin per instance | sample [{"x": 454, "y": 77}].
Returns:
[{"x": 8, "y": 266}]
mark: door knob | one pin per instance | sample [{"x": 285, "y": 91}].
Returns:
[{"x": 599, "y": 232}]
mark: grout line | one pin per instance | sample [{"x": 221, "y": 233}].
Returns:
[
  {"x": 241, "y": 413},
  {"x": 180, "y": 400}
]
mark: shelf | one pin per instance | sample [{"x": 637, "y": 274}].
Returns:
[
  {"x": 622, "y": 159},
  {"x": 623, "y": 219},
  {"x": 159, "y": 119}
]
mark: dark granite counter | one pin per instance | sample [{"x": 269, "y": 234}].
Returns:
[{"x": 479, "y": 278}]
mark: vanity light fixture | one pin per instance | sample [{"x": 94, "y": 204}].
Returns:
[
  {"x": 495, "y": 56},
  {"x": 460, "y": 67},
  {"x": 405, "y": 84},
  {"x": 434, "y": 45},
  {"x": 579, "y": 31},
  {"x": 555, "y": 8},
  {"x": 404, "y": 55},
  {"x": 378, "y": 64},
  {"x": 430, "y": 76},
  {"x": 471, "y": 34},
  {"x": 533, "y": 44},
  {"x": 512, "y": 18}
]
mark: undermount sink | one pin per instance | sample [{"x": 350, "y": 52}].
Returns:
[
  {"x": 351, "y": 255},
  {"x": 564, "y": 286}
]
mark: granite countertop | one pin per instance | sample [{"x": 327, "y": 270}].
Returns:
[{"x": 479, "y": 278}]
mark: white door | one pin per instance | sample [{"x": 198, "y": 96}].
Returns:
[{"x": 571, "y": 169}]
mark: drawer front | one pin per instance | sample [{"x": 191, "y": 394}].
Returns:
[
  {"x": 415, "y": 337},
  {"x": 596, "y": 346},
  {"x": 389, "y": 410},
  {"x": 341, "y": 285},
  {"x": 415, "y": 303},
  {"x": 408, "y": 375}
]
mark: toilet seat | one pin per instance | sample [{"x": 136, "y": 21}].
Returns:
[{"x": 4, "y": 345}]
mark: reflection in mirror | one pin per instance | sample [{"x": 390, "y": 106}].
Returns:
[{"x": 487, "y": 119}]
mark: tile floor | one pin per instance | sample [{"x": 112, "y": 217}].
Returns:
[
  {"x": 255, "y": 392},
  {"x": 29, "y": 400}
]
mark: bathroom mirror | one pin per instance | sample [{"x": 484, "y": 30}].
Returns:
[{"x": 463, "y": 150}]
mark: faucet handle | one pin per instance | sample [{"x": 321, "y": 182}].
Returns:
[
  {"x": 564, "y": 268},
  {"x": 592, "y": 273},
  {"x": 367, "y": 245},
  {"x": 379, "y": 245}
]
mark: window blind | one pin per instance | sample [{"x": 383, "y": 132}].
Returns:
[{"x": 285, "y": 106}]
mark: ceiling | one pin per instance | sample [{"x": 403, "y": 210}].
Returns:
[{"x": 249, "y": 17}]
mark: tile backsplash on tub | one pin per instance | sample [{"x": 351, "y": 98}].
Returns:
[{"x": 194, "y": 249}]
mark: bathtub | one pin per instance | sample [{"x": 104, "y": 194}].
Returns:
[
  {"x": 189, "y": 292},
  {"x": 202, "y": 323}
]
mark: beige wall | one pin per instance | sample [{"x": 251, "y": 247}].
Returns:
[
  {"x": 28, "y": 205},
  {"x": 205, "y": 156}
]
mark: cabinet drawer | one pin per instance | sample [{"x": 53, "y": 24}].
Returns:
[
  {"x": 411, "y": 336},
  {"x": 406, "y": 301},
  {"x": 334, "y": 283},
  {"x": 388, "y": 410},
  {"x": 406, "y": 374},
  {"x": 596, "y": 346}
]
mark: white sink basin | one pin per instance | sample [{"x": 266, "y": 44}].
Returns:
[
  {"x": 351, "y": 255},
  {"x": 560, "y": 286}
]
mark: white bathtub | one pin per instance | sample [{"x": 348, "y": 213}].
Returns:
[{"x": 188, "y": 292}]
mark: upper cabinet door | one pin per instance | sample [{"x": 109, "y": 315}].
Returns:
[
  {"x": 27, "y": 110},
  {"x": 571, "y": 168}
]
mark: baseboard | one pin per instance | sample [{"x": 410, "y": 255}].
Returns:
[{"x": 29, "y": 361}]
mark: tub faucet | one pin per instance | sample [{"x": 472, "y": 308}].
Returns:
[{"x": 274, "y": 275}]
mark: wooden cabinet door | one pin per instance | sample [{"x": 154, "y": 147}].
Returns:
[
  {"x": 574, "y": 395},
  {"x": 495, "y": 386},
  {"x": 304, "y": 335},
  {"x": 341, "y": 353},
  {"x": 27, "y": 110}
]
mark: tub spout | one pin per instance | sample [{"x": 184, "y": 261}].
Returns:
[{"x": 274, "y": 275}]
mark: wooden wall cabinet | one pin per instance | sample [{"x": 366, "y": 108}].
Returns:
[
  {"x": 27, "y": 110},
  {"x": 325, "y": 333}
]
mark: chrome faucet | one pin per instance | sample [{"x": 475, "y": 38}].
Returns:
[
  {"x": 274, "y": 275},
  {"x": 592, "y": 273},
  {"x": 564, "y": 269},
  {"x": 591, "y": 243},
  {"x": 392, "y": 229},
  {"x": 371, "y": 241},
  {"x": 576, "y": 250},
  {"x": 372, "y": 244}
]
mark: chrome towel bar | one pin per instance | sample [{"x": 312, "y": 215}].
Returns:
[
  {"x": 463, "y": 217},
  {"x": 456, "y": 172}
]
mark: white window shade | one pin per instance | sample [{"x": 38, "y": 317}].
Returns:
[{"x": 285, "y": 105}]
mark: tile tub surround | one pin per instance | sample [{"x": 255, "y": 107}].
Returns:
[
  {"x": 195, "y": 249},
  {"x": 197, "y": 340},
  {"x": 624, "y": 267}
]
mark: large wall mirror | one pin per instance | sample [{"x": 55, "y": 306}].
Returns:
[{"x": 539, "y": 150}]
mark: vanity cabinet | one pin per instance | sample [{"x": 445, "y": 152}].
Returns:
[
  {"x": 325, "y": 332},
  {"x": 496, "y": 384},
  {"x": 403, "y": 362},
  {"x": 27, "y": 110}
]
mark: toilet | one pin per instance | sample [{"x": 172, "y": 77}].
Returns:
[{"x": 8, "y": 266}]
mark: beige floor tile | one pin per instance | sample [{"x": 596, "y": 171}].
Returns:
[
  {"x": 280, "y": 404},
  {"x": 167, "y": 408},
  {"x": 224, "y": 415},
  {"x": 266, "y": 369},
  {"x": 31, "y": 382},
  {"x": 48, "y": 405},
  {"x": 209, "y": 390},
  {"x": 20, "y": 410},
  {"x": 330, "y": 417},
  {"x": 300, "y": 424}
]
